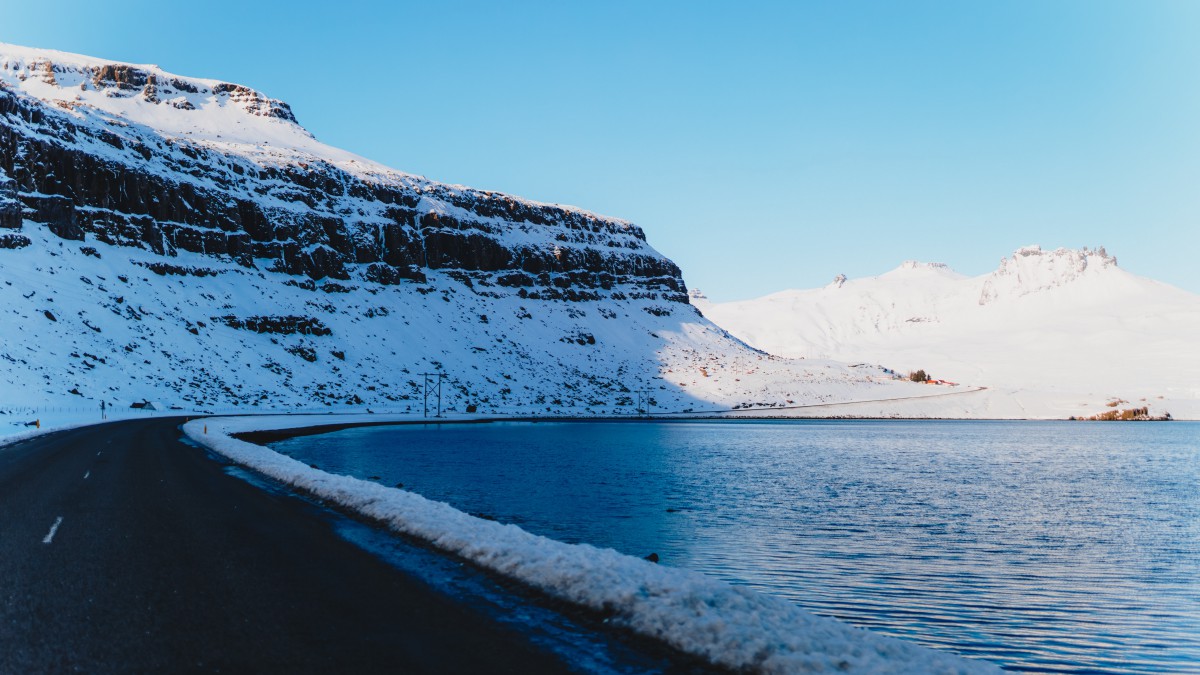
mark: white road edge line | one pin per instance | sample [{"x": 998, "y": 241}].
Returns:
[{"x": 53, "y": 528}]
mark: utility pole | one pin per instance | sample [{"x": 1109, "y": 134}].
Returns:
[
  {"x": 643, "y": 393},
  {"x": 440, "y": 377}
]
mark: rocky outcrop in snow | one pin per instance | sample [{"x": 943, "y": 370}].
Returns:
[
  {"x": 10, "y": 214},
  {"x": 1030, "y": 269},
  {"x": 10, "y": 206}
]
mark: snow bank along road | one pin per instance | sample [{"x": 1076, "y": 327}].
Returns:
[{"x": 123, "y": 549}]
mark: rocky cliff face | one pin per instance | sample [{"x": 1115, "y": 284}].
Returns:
[
  {"x": 84, "y": 171},
  {"x": 10, "y": 206}
]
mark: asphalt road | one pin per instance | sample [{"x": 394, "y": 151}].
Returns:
[{"x": 124, "y": 550}]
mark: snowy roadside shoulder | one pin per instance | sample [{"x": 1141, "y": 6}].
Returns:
[
  {"x": 8, "y": 438},
  {"x": 17, "y": 428},
  {"x": 727, "y": 625},
  {"x": 14, "y": 433}
]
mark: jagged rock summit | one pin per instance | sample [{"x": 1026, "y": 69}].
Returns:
[
  {"x": 74, "y": 80},
  {"x": 195, "y": 245},
  {"x": 1030, "y": 270}
]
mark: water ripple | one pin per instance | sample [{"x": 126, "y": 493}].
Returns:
[{"x": 1044, "y": 547}]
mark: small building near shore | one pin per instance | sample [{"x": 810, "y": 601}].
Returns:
[{"x": 147, "y": 405}]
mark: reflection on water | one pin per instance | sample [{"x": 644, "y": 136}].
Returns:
[{"x": 1050, "y": 547}]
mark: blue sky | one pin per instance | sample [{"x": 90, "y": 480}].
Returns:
[{"x": 762, "y": 146}]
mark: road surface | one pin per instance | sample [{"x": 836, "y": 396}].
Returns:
[{"x": 124, "y": 550}]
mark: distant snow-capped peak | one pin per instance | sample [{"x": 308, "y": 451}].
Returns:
[
  {"x": 918, "y": 265},
  {"x": 918, "y": 271},
  {"x": 1065, "y": 329},
  {"x": 1031, "y": 269}
]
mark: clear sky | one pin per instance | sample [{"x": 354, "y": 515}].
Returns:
[{"x": 762, "y": 146}]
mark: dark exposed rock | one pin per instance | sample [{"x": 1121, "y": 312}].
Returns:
[
  {"x": 127, "y": 185},
  {"x": 164, "y": 269},
  {"x": 579, "y": 339},
  {"x": 280, "y": 325},
  {"x": 11, "y": 241},
  {"x": 58, "y": 213},
  {"x": 10, "y": 207},
  {"x": 387, "y": 275},
  {"x": 120, "y": 76},
  {"x": 307, "y": 353},
  {"x": 255, "y": 102}
]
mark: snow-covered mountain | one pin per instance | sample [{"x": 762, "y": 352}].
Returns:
[
  {"x": 186, "y": 240},
  {"x": 1051, "y": 333}
]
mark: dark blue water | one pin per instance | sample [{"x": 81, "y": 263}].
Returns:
[{"x": 1048, "y": 547}]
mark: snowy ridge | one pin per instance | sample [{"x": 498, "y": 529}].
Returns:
[
  {"x": 727, "y": 625},
  {"x": 1052, "y": 334},
  {"x": 223, "y": 116}
]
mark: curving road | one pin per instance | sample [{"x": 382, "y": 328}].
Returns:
[{"x": 124, "y": 550}]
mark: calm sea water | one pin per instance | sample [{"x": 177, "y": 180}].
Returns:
[{"x": 1046, "y": 547}]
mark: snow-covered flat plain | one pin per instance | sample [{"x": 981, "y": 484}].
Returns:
[
  {"x": 1051, "y": 334},
  {"x": 727, "y": 625}
]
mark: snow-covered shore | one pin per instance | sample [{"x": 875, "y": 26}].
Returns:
[
  {"x": 727, "y": 625},
  {"x": 17, "y": 426}
]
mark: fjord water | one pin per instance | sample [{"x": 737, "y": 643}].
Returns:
[{"x": 1045, "y": 547}]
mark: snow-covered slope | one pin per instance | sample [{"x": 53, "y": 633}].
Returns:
[
  {"x": 186, "y": 241},
  {"x": 1051, "y": 333}
]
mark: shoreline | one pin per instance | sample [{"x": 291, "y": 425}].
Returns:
[
  {"x": 272, "y": 436},
  {"x": 700, "y": 616},
  {"x": 268, "y": 436}
]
